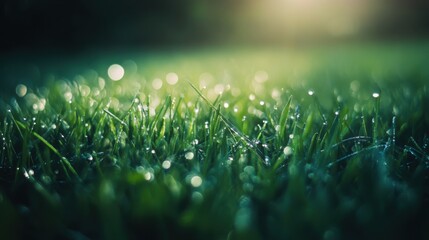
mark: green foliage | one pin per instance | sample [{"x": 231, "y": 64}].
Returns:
[{"x": 120, "y": 160}]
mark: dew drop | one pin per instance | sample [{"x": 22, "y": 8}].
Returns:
[
  {"x": 148, "y": 176},
  {"x": 189, "y": 155},
  {"x": 88, "y": 156},
  {"x": 166, "y": 164},
  {"x": 287, "y": 151}
]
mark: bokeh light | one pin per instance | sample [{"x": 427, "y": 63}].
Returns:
[
  {"x": 21, "y": 90},
  {"x": 116, "y": 72},
  {"x": 172, "y": 78}
]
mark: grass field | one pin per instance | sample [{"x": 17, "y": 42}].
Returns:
[{"x": 308, "y": 143}]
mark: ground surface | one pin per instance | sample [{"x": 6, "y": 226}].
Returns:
[{"x": 304, "y": 143}]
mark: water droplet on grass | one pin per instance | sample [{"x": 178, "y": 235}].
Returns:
[
  {"x": 166, "y": 164},
  {"x": 310, "y": 92},
  {"x": 189, "y": 155},
  {"x": 148, "y": 176},
  {"x": 376, "y": 95},
  {"x": 287, "y": 151},
  {"x": 88, "y": 156},
  {"x": 29, "y": 173}
]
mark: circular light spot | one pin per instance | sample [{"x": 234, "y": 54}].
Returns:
[
  {"x": 197, "y": 197},
  {"x": 68, "y": 96},
  {"x": 148, "y": 176},
  {"x": 101, "y": 83},
  {"x": 166, "y": 164},
  {"x": 376, "y": 95},
  {"x": 189, "y": 155},
  {"x": 196, "y": 181},
  {"x": 172, "y": 78},
  {"x": 21, "y": 90},
  {"x": 310, "y": 92},
  {"x": 261, "y": 76},
  {"x": 157, "y": 84},
  {"x": 219, "y": 88},
  {"x": 287, "y": 151},
  {"x": 116, "y": 72}
]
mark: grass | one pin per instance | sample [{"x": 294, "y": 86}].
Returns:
[{"x": 333, "y": 145}]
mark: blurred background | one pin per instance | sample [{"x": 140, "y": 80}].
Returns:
[
  {"x": 77, "y": 25},
  {"x": 44, "y": 40}
]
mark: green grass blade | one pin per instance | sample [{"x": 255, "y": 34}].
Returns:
[{"x": 64, "y": 160}]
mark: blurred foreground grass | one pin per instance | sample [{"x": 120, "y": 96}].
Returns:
[{"x": 241, "y": 144}]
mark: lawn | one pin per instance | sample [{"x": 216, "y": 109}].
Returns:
[{"x": 222, "y": 143}]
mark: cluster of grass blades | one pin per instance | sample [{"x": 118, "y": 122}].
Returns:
[{"x": 81, "y": 159}]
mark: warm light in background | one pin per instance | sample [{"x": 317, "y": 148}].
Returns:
[{"x": 312, "y": 18}]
